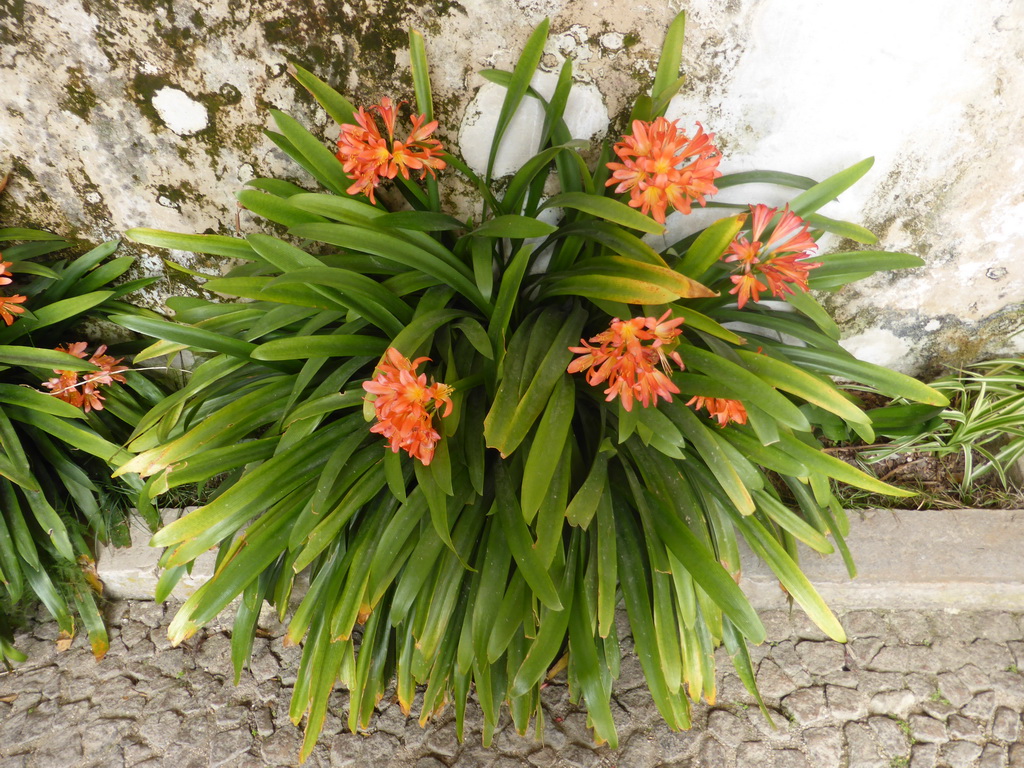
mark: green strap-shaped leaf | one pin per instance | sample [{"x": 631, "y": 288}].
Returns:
[
  {"x": 586, "y": 502},
  {"x": 21, "y": 233},
  {"x": 809, "y": 306},
  {"x": 365, "y": 295},
  {"x": 837, "y": 269},
  {"x": 789, "y": 573},
  {"x": 886, "y": 381},
  {"x": 304, "y": 347},
  {"x": 215, "y": 245},
  {"x": 398, "y": 250},
  {"x": 552, "y": 433},
  {"x": 183, "y": 334},
  {"x": 630, "y": 269},
  {"x": 520, "y": 543},
  {"x": 814, "y": 198},
  {"x": 788, "y": 520},
  {"x": 605, "y": 208},
  {"x": 515, "y": 227},
  {"x": 705, "y": 569},
  {"x": 71, "y": 433},
  {"x": 508, "y": 292},
  {"x": 710, "y": 245},
  {"x": 795, "y": 381},
  {"x": 666, "y": 77},
  {"x": 845, "y": 229},
  {"x": 517, "y": 87},
  {"x": 748, "y": 385},
  {"x": 275, "y": 209},
  {"x": 696, "y": 432},
  {"x": 336, "y": 105},
  {"x": 778, "y": 178},
  {"x": 633, "y": 570},
  {"x": 327, "y": 167},
  {"x": 30, "y": 357},
  {"x": 817, "y": 460},
  {"x": 505, "y": 430}
]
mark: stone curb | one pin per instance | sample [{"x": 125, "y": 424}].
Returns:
[{"x": 965, "y": 558}]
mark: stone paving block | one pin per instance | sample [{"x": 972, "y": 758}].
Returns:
[
  {"x": 1006, "y": 724},
  {"x": 824, "y": 746},
  {"x": 953, "y": 689},
  {"x": 728, "y": 728},
  {"x": 927, "y": 729},
  {"x": 993, "y": 756},
  {"x": 1016, "y": 756},
  {"x": 789, "y": 758},
  {"x": 998, "y": 626},
  {"x": 772, "y": 681},
  {"x": 904, "y": 658},
  {"x": 1009, "y": 688},
  {"x": 981, "y": 707},
  {"x": 891, "y": 735},
  {"x": 960, "y": 754},
  {"x": 924, "y": 756},
  {"x": 865, "y": 624},
  {"x": 974, "y": 678},
  {"x": 713, "y": 752},
  {"x": 911, "y": 627},
  {"x": 861, "y": 748},
  {"x": 821, "y": 658},
  {"x": 895, "y": 703},
  {"x": 806, "y": 706},
  {"x": 961, "y": 728},
  {"x": 754, "y": 753},
  {"x": 846, "y": 703}
]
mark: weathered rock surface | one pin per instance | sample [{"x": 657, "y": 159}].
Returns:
[{"x": 126, "y": 711}]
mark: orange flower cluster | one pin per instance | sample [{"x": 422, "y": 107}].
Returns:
[
  {"x": 720, "y": 408},
  {"x": 368, "y": 157},
  {"x": 662, "y": 166},
  {"x": 404, "y": 404},
  {"x": 85, "y": 394},
  {"x": 779, "y": 260},
  {"x": 9, "y": 304},
  {"x": 629, "y": 366}
]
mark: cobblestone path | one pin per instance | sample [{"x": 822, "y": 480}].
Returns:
[{"x": 910, "y": 690}]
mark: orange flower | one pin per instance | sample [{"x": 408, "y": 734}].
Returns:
[
  {"x": 9, "y": 307},
  {"x": 779, "y": 260},
  {"x": 720, "y": 408},
  {"x": 4, "y": 273},
  {"x": 367, "y": 157},
  {"x": 404, "y": 404},
  {"x": 628, "y": 365},
  {"x": 662, "y": 166},
  {"x": 85, "y": 394}
]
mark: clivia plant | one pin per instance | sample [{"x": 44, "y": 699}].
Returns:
[
  {"x": 65, "y": 409},
  {"x": 479, "y": 437}
]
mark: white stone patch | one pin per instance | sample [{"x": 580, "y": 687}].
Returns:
[
  {"x": 613, "y": 41},
  {"x": 933, "y": 325},
  {"x": 246, "y": 172},
  {"x": 166, "y": 202},
  {"x": 585, "y": 115},
  {"x": 180, "y": 112},
  {"x": 881, "y": 347},
  {"x": 93, "y": 197}
]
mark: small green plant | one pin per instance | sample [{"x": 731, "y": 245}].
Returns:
[
  {"x": 563, "y": 417},
  {"x": 900, "y": 761},
  {"x": 937, "y": 696},
  {"x": 983, "y": 424},
  {"x": 1013, "y": 668},
  {"x": 64, "y": 413}
]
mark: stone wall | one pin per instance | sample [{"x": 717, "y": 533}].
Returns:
[{"x": 150, "y": 113}]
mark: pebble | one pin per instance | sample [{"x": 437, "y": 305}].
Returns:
[{"x": 905, "y": 699}]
